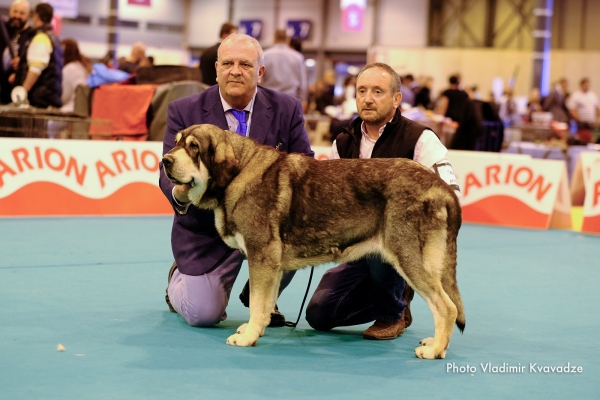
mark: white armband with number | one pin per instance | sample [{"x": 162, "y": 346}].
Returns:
[{"x": 444, "y": 171}]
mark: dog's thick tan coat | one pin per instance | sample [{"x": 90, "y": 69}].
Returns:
[{"x": 288, "y": 211}]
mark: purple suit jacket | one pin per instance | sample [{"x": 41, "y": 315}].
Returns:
[{"x": 277, "y": 119}]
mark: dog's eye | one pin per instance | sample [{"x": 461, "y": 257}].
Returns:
[{"x": 194, "y": 145}]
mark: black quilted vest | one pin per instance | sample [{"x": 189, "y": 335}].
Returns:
[
  {"x": 398, "y": 139},
  {"x": 47, "y": 90}
]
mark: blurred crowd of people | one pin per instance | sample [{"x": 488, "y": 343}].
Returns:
[
  {"x": 50, "y": 70},
  {"x": 47, "y": 68}
]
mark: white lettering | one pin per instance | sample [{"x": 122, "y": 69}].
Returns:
[
  {"x": 462, "y": 369},
  {"x": 558, "y": 369}
]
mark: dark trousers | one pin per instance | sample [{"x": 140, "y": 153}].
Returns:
[{"x": 356, "y": 293}]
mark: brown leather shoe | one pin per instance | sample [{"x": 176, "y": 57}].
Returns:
[
  {"x": 408, "y": 295},
  {"x": 171, "y": 271},
  {"x": 385, "y": 330}
]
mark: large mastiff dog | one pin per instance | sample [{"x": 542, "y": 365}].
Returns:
[{"x": 287, "y": 211}]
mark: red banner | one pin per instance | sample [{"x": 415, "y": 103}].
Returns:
[{"x": 73, "y": 177}]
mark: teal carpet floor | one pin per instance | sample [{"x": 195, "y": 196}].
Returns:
[{"x": 97, "y": 286}]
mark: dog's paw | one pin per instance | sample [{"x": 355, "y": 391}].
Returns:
[
  {"x": 241, "y": 340},
  {"x": 426, "y": 342},
  {"x": 429, "y": 353},
  {"x": 242, "y": 328}
]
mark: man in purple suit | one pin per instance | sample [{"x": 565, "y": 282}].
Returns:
[{"x": 205, "y": 268}]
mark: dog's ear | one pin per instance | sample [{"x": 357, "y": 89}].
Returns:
[
  {"x": 225, "y": 160},
  {"x": 218, "y": 155}
]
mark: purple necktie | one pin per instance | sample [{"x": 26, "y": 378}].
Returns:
[{"x": 240, "y": 115}]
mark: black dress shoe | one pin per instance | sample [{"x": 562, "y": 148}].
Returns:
[
  {"x": 171, "y": 271},
  {"x": 277, "y": 318}
]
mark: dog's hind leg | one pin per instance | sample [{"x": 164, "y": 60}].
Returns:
[
  {"x": 444, "y": 314},
  {"x": 422, "y": 265},
  {"x": 449, "y": 276},
  {"x": 264, "y": 285},
  {"x": 431, "y": 288}
]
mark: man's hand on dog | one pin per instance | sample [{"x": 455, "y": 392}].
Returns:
[{"x": 181, "y": 193}]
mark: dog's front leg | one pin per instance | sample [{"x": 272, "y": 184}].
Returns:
[{"x": 264, "y": 286}]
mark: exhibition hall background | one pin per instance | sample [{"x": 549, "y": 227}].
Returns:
[{"x": 481, "y": 39}]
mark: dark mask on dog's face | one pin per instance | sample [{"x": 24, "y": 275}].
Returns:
[{"x": 216, "y": 153}]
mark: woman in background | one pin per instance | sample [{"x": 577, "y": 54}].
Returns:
[{"x": 75, "y": 72}]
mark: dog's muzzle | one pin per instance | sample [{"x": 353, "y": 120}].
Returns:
[{"x": 168, "y": 162}]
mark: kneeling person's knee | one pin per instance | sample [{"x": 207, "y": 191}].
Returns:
[
  {"x": 203, "y": 315},
  {"x": 317, "y": 316}
]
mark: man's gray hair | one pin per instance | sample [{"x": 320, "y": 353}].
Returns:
[
  {"x": 394, "y": 77},
  {"x": 241, "y": 37}
]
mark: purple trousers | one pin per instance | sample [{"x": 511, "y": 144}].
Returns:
[
  {"x": 356, "y": 293},
  {"x": 201, "y": 300}
]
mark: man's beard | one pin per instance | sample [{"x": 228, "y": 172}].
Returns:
[
  {"x": 16, "y": 24},
  {"x": 372, "y": 118}
]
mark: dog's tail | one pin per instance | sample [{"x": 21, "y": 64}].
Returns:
[{"x": 449, "y": 283}]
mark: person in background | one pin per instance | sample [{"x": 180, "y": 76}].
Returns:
[
  {"x": 408, "y": 95},
  {"x": 75, "y": 72},
  {"x": 349, "y": 89},
  {"x": 18, "y": 32},
  {"x": 325, "y": 91},
  {"x": 585, "y": 110},
  {"x": 107, "y": 60},
  {"x": 40, "y": 70},
  {"x": 423, "y": 94},
  {"x": 205, "y": 268},
  {"x": 534, "y": 102},
  {"x": 555, "y": 101},
  {"x": 208, "y": 59},
  {"x": 370, "y": 289},
  {"x": 508, "y": 108},
  {"x": 347, "y": 107},
  {"x": 137, "y": 57},
  {"x": 284, "y": 69},
  {"x": 453, "y": 101},
  {"x": 296, "y": 44},
  {"x": 473, "y": 92}
]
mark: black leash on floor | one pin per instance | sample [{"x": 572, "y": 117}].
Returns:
[{"x": 293, "y": 324}]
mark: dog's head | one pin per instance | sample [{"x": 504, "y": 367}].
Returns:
[{"x": 203, "y": 156}]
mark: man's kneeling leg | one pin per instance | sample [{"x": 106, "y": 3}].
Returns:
[{"x": 201, "y": 300}]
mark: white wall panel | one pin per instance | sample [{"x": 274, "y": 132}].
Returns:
[
  {"x": 205, "y": 20},
  {"x": 403, "y": 23}
]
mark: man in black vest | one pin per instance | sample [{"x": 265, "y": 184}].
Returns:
[
  {"x": 369, "y": 289},
  {"x": 15, "y": 34},
  {"x": 40, "y": 68}
]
